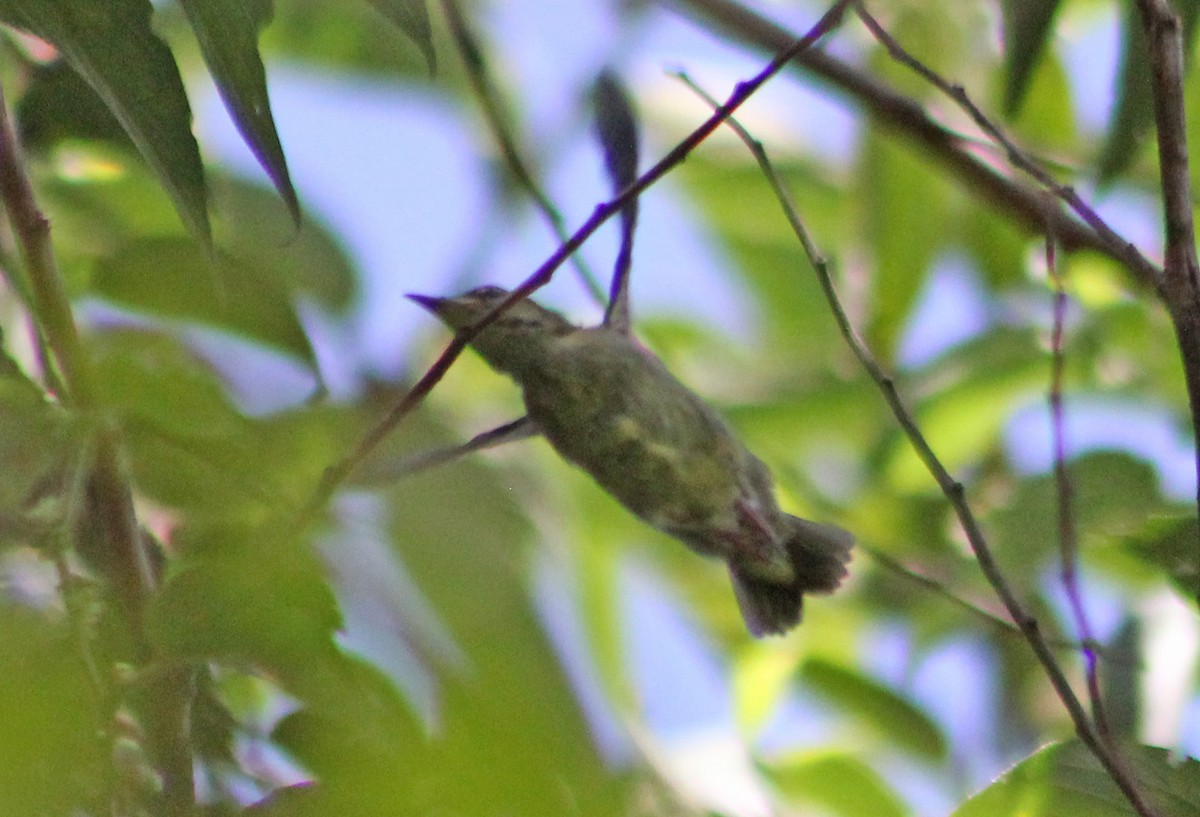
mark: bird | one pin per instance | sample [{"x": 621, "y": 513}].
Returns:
[{"x": 610, "y": 406}]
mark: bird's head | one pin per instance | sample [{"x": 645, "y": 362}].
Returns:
[{"x": 514, "y": 341}]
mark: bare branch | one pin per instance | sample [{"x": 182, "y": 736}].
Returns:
[
  {"x": 1181, "y": 281},
  {"x": 1068, "y": 537},
  {"x": 894, "y": 111}
]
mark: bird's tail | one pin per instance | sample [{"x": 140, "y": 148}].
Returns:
[{"x": 819, "y": 556}]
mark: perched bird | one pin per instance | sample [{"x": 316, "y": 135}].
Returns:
[{"x": 608, "y": 405}]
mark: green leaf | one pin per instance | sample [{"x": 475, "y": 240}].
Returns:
[
  {"x": 963, "y": 423},
  {"x": 39, "y": 446},
  {"x": 840, "y": 784},
  {"x": 113, "y": 47},
  {"x": 904, "y": 239},
  {"x": 250, "y": 594},
  {"x": 1027, "y": 27},
  {"x": 227, "y": 31},
  {"x": 151, "y": 378},
  {"x": 1065, "y": 780},
  {"x": 50, "y": 759},
  {"x": 411, "y": 17},
  {"x": 1169, "y": 544},
  {"x": 741, "y": 213},
  {"x": 309, "y": 261},
  {"x": 58, "y": 104},
  {"x": 176, "y": 278},
  {"x": 1133, "y": 115},
  {"x": 877, "y": 706}
]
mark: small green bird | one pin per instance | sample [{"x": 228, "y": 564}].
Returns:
[{"x": 608, "y": 405}]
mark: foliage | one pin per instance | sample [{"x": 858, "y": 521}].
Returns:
[{"x": 213, "y": 608}]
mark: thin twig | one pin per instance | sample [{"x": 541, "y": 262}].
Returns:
[
  {"x": 889, "y": 109},
  {"x": 939, "y": 589},
  {"x": 1068, "y": 537},
  {"x": 492, "y": 107},
  {"x": 337, "y": 473},
  {"x": 955, "y": 494},
  {"x": 1181, "y": 280},
  {"x": 1132, "y": 258},
  {"x": 520, "y": 429}
]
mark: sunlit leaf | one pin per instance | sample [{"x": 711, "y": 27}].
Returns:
[
  {"x": 875, "y": 705},
  {"x": 964, "y": 423},
  {"x": 1065, "y": 780},
  {"x": 115, "y": 49},
  {"x": 227, "y": 31},
  {"x": 904, "y": 239},
  {"x": 762, "y": 675},
  {"x": 48, "y": 720}
]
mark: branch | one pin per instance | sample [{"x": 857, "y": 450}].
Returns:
[
  {"x": 955, "y": 494},
  {"x": 108, "y": 531},
  {"x": 491, "y": 106},
  {"x": 337, "y": 473},
  {"x": 1025, "y": 204},
  {"x": 1181, "y": 281},
  {"x": 1068, "y": 537},
  {"x": 1133, "y": 259}
]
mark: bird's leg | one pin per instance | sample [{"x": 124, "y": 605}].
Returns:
[{"x": 518, "y": 429}]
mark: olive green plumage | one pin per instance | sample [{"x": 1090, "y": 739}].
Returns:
[{"x": 608, "y": 405}]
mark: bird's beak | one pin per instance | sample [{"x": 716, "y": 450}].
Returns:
[{"x": 428, "y": 302}]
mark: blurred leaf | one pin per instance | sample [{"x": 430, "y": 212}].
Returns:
[
  {"x": 305, "y": 262},
  {"x": 1046, "y": 118},
  {"x": 903, "y": 238},
  {"x": 1169, "y": 544},
  {"x": 743, "y": 215},
  {"x": 59, "y": 105},
  {"x": 873, "y": 704},
  {"x": 1027, "y": 27},
  {"x": 39, "y": 446},
  {"x": 51, "y": 758},
  {"x": 1114, "y": 496},
  {"x": 153, "y": 378},
  {"x": 465, "y": 543},
  {"x": 1133, "y": 115},
  {"x": 411, "y": 17},
  {"x": 227, "y": 31},
  {"x": 115, "y": 49},
  {"x": 839, "y": 784},
  {"x": 995, "y": 246},
  {"x": 1065, "y": 780},
  {"x": 761, "y": 676},
  {"x": 963, "y": 422},
  {"x": 1121, "y": 682},
  {"x": 176, "y": 278},
  {"x": 249, "y": 594},
  {"x": 348, "y": 36}
]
